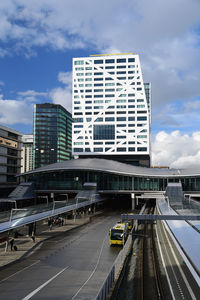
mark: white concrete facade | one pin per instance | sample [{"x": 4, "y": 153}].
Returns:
[
  {"x": 110, "y": 109},
  {"x": 27, "y": 153}
]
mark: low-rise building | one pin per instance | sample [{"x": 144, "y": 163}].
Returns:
[{"x": 10, "y": 159}]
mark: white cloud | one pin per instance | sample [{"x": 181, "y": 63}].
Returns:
[
  {"x": 176, "y": 150},
  {"x": 63, "y": 96},
  {"x": 14, "y": 112},
  {"x": 32, "y": 95},
  {"x": 65, "y": 77},
  {"x": 21, "y": 110},
  {"x": 167, "y": 43}
]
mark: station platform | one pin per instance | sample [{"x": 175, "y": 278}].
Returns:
[{"x": 25, "y": 244}]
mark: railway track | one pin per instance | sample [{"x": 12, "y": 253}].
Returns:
[{"x": 149, "y": 274}]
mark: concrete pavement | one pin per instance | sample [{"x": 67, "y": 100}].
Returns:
[{"x": 26, "y": 245}]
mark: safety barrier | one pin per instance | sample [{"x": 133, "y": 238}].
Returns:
[
  {"x": 115, "y": 270},
  {"x": 118, "y": 265}
]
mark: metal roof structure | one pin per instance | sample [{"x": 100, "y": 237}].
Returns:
[{"x": 104, "y": 165}]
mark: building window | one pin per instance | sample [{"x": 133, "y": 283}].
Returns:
[
  {"x": 98, "y": 90},
  {"x": 104, "y": 132},
  {"x": 131, "y": 59},
  {"x": 109, "y": 119},
  {"x": 131, "y": 149},
  {"x": 121, "y": 67},
  {"x": 110, "y": 61},
  {"x": 99, "y": 120},
  {"x": 98, "y": 84},
  {"x": 98, "y": 96},
  {"x": 121, "y": 119},
  {"x": 98, "y": 149},
  {"x": 142, "y": 136},
  {"x": 78, "y": 149},
  {"x": 121, "y": 149},
  {"x": 98, "y": 61},
  {"x": 110, "y": 67},
  {"x": 109, "y": 84},
  {"x": 141, "y": 118},
  {"x": 79, "y": 62},
  {"x": 142, "y": 149},
  {"x": 121, "y": 60},
  {"x": 141, "y": 111},
  {"x": 98, "y": 79},
  {"x": 121, "y": 72}
]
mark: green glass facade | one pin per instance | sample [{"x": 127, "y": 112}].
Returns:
[
  {"x": 52, "y": 134},
  {"x": 74, "y": 180}
]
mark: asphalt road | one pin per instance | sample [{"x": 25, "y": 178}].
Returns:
[{"x": 70, "y": 266}]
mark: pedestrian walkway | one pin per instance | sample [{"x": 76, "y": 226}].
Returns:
[{"x": 26, "y": 245}]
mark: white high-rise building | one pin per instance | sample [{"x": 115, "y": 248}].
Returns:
[
  {"x": 110, "y": 109},
  {"x": 27, "y": 153}
]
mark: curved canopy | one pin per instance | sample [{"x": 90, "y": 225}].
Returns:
[{"x": 104, "y": 165}]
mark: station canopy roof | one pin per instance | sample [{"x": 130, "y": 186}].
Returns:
[{"x": 111, "y": 166}]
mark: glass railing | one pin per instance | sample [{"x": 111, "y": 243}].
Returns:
[{"x": 17, "y": 213}]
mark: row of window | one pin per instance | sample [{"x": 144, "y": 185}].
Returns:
[
  {"x": 118, "y": 149},
  {"x": 106, "y": 78},
  {"x": 107, "y": 101},
  {"x": 127, "y": 73},
  {"x": 111, "y": 107},
  {"x": 107, "y": 61},
  {"x": 140, "y": 118},
  {"x": 99, "y": 84},
  {"x": 95, "y": 91},
  {"x": 106, "y": 143},
  {"x": 117, "y": 137},
  {"x": 109, "y": 72}
]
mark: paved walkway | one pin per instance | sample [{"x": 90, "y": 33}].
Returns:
[{"x": 25, "y": 244}]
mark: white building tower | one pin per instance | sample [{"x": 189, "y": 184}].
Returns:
[{"x": 110, "y": 109}]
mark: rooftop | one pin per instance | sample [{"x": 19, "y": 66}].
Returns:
[{"x": 111, "y": 166}]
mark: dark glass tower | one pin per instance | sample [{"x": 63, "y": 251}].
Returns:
[{"x": 52, "y": 134}]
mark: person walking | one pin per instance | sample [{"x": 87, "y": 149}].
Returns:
[{"x": 11, "y": 244}]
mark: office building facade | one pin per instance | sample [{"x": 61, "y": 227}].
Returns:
[
  {"x": 27, "y": 153},
  {"x": 10, "y": 159},
  {"x": 110, "y": 109},
  {"x": 52, "y": 134}
]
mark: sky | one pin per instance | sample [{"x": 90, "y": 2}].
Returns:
[{"x": 39, "y": 38}]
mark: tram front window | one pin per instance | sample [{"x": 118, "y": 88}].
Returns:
[{"x": 116, "y": 234}]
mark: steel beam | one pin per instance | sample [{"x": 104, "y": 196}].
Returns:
[{"x": 160, "y": 217}]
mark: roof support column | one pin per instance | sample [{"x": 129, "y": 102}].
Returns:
[{"x": 132, "y": 201}]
